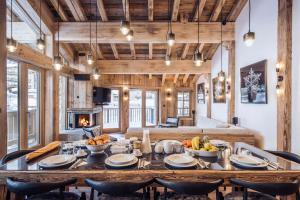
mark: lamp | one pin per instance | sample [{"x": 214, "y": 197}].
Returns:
[
  {"x": 221, "y": 74},
  {"x": 168, "y": 60},
  {"x": 57, "y": 60},
  {"x": 125, "y": 27},
  {"x": 198, "y": 57},
  {"x": 249, "y": 37},
  {"x": 40, "y": 42},
  {"x": 168, "y": 94},
  {"x": 170, "y": 35},
  {"x": 11, "y": 44},
  {"x": 129, "y": 35},
  {"x": 170, "y": 38},
  {"x": 90, "y": 59},
  {"x": 96, "y": 74},
  {"x": 280, "y": 78},
  {"x": 125, "y": 93}
]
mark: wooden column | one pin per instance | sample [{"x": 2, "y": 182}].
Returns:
[
  {"x": 230, "y": 82},
  {"x": 3, "y": 57},
  {"x": 55, "y": 105},
  {"x": 23, "y": 78},
  {"x": 284, "y": 57},
  {"x": 49, "y": 106},
  {"x": 208, "y": 97}
]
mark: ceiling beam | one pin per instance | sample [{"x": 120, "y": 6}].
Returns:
[
  {"x": 217, "y": 10},
  {"x": 125, "y": 4},
  {"x": 150, "y": 76},
  {"x": 150, "y": 10},
  {"x": 176, "y": 4},
  {"x": 95, "y": 48},
  {"x": 101, "y": 10},
  {"x": 236, "y": 10},
  {"x": 115, "y": 51},
  {"x": 60, "y": 12},
  {"x": 21, "y": 32},
  {"x": 152, "y": 67},
  {"x": 150, "y": 51},
  {"x": 196, "y": 77},
  {"x": 176, "y": 78},
  {"x": 163, "y": 79},
  {"x": 201, "y": 8},
  {"x": 146, "y": 32},
  {"x": 132, "y": 50},
  {"x": 185, "y": 78},
  {"x": 76, "y": 10},
  {"x": 185, "y": 51}
]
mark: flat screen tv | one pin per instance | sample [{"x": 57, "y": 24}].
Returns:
[{"x": 101, "y": 96}]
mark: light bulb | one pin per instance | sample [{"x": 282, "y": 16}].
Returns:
[
  {"x": 168, "y": 60},
  {"x": 57, "y": 62},
  {"x": 221, "y": 76},
  {"x": 40, "y": 44},
  {"x": 96, "y": 74},
  {"x": 249, "y": 38},
  {"x": 11, "y": 45},
  {"x": 90, "y": 59},
  {"x": 129, "y": 36},
  {"x": 170, "y": 39},
  {"x": 125, "y": 27},
  {"x": 198, "y": 59}
]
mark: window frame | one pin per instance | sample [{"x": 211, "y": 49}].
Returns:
[{"x": 183, "y": 101}]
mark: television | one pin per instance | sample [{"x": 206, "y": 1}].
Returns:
[{"x": 101, "y": 96}]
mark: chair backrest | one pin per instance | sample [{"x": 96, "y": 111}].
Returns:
[
  {"x": 14, "y": 155},
  {"x": 286, "y": 155},
  {"x": 191, "y": 188},
  {"x": 117, "y": 188},
  {"x": 273, "y": 189},
  {"x": 31, "y": 188},
  {"x": 172, "y": 120}
]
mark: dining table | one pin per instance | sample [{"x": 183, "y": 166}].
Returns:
[{"x": 219, "y": 167}]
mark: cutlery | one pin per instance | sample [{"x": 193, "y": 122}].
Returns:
[
  {"x": 272, "y": 164},
  {"x": 205, "y": 165},
  {"x": 76, "y": 164},
  {"x": 139, "y": 163}
]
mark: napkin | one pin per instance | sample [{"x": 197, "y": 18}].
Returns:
[{"x": 43, "y": 150}]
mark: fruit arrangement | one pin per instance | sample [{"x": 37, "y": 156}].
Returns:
[
  {"x": 99, "y": 140},
  {"x": 199, "y": 144}
]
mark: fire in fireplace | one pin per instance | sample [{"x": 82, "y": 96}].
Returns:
[{"x": 84, "y": 120}]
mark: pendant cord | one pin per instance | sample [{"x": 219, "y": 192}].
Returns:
[
  {"x": 198, "y": 23},
  {"x": 249, "y": 13},
  {"x": 221, "y": 39},
  {"x": 91, "y": 27},
  {"x": 40, "y": 19},
  {"x": 58, "y": 2},
  {"x": 125, "y": 12},
  {"x": 11, "y": 20},
  {"x": 96, "y": 34}
]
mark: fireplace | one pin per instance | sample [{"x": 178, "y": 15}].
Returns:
[
  {"x": 83, "y": 117},
  {"x": 85, "y": 120}
]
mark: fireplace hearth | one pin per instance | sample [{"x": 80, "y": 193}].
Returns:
[{"x": 83, "y": 117}]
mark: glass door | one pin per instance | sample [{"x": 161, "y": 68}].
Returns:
[
  {"x": 13, "y": 136},
  {"x": 135, "y": 108},
  {"x": 151, "y": 108},
  {"x": 33, "y": 108},
  {"x": 111, "y": 112}
]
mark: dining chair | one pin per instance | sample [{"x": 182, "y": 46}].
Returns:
[
  {"x": 14, "y": 155},
  {"x": 286, "y": 155},
  {"x": 201, "y": 189},
  {"x": 116, "y": 190},
  {"x": 263, "y": 191},
  {"x": 39, "y": 190}
]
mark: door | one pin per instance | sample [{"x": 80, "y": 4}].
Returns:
[
  {"x": 135, "y": 108},
  {"x": 151, "y": 108}
]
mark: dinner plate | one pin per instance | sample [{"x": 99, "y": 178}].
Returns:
[
  {"x": 180, "y": 159},
  {"x": 57, "y": 161},
  {"x": 260, "y": 165},
  {"x": 192, "y": 164},
  {"x": 247, "y": 159},
  {"x": 107, "y": 162},
  {"x": 120, "y": 159}
]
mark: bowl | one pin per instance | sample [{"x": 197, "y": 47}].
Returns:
[
  {"x": 97, "y": 148},
  {"x": 203, "y": 153}
]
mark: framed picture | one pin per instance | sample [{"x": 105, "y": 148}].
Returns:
[
  {"x": 218, "y": 91},
  {"x": 201, "y": 93},
  {"x": 254, "y": 83}
]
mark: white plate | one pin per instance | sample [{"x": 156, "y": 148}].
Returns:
[
  {"x": 261, "y": 165},
  {"x": 57, "y": 160},
  {"x": 180, "y": 159},
  {"x": 247, "y": 159},
  {"x": 120, "y": 159},
  {"x": 192, "y": 164},
  {"x": 107, "y": 162}
]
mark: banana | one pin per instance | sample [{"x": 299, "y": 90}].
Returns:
[{"x": 196, "y": 143}]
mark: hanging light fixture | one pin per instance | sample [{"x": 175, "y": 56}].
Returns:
[
  {"x": 96, "y": 71},
  {"x": 198, "y": 57},
  {"x": 57, "y": 60},
  {"x": 168, "y": 60},
  {"x": 249, "y": 37},
  {"x": 125, "y": 25},
  {"x": 170, "y": 34},
  {"x": 96, "y": 74},
  {"x": 11, "y": 44},
  {"x": 40, "y": 42},
  {"x": 221, "y": 74},
  {"x": 129, "y": 35},
  {"x": 90, "y": 58}
]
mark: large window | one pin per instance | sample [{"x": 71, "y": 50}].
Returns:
[
  {"x": 135, "y": 108},
  {"x": 63, "y": 85},
  {"x": 183, "y": 104},
  {"x": 151, "y": 108},
  {"x": 111, "y": 118}
]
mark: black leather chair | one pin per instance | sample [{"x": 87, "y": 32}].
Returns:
[
  {"x": 286, "y": 155},
  {"x": 14, "y": 155},
  {"x": 119, "y": 189},
  {"x": 191, "y": 188},
  {"x": 38, "y": 190},
  {"x": 171, "y": 122},
  {"x": 263, "y": 191}
]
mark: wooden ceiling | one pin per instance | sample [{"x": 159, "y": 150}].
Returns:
[{"x": 184, "y": 11}]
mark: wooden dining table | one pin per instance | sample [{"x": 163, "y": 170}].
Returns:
[{"x": 220, "y": 168}]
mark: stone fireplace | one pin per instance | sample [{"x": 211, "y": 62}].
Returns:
[{"x": 83, "y": 117}]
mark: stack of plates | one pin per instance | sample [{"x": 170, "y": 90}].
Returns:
[
  {"x": 57, "y": 161},
  {"x": 121, "y": 160},
  {"x": 180, "y": 161},
  {"x": 248, "y": 161}
]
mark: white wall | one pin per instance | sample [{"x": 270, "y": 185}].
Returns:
[
  {"x": 261, "y": 118},
  {"x": 295, "y": 78},
  {"x": 219, "y": 110},
  {"x": 201, "y": 109}
]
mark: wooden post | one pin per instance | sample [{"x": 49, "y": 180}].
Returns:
[
  {"x": 230, "y": 82},
  {"x": 209, "y": 89},
  {"x": 55, "y": 105},
  {"x": 3, "y": 96},
  {"x": 284, "y": 58}
]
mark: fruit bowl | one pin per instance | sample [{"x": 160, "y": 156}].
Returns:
[
  {"x": 200, "y": 147},
  {"x": 203, "y": 153}
]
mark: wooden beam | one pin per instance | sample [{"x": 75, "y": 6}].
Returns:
[
  {"x": 125, "y": 4},
  {"x": 150, "y": 76},
  {"x": 132, "y": 50},
  {"x": 284, "y": 58},
  {"x": 101, "y": 10},
  {"x": 163, "y": 80},
  {"x": 185, "y": 78},
  {"x": 236, "y": 10},
  {"x": 231, "y": 82},
  {"x": 115, "y": 51},
  {"x": 217, "y": 10},
  {"x": 200, "y": 47},
  {"x": 60, "y": 12},
  {"x": 176, "y": 4},
  {"x": 3, "y": 84},
  {"x": 185, "y": 51},
  {"x": 109, "y": 32},
  {"x": 22, "y": 32},
  {"x": 150, "y": 51},
  {"x": 201, "y": 8},
  {"x": 76, "y": 10},
  {"x": 176, "y": 78},
  {"x": 196, "y": 77},
  {"x": 152, "y": 67},
  {"x": 96, "y": 48},
  {"x": 150, "y": 10}
]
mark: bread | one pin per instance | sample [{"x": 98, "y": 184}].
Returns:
[{"x": 43, "y": 150}]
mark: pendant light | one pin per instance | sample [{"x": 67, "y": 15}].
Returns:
[
  {"x": 96, "y": 73},
  {"x": 249, "y": 37},
  {"x": 221, "y": 74},
  {"x": 40, "y": 42},
  {"x": 57, "y": 60},
  {"x": 198, "y": 57},
  {"x": 129, "y": 35},
  {"x": 11, "y": 44},
  {"x": 90, "y": 59},
  {"x": 168, "y": 60},
  {"x": 170, "y": 34},
  {"x": 125, "y": 25}
]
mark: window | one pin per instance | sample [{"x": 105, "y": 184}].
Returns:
[
  {"x": 135, "y": 108},
  {"x": 111, "y": 111},
  {"x": 63, "y": 85},
  {"x": 151, "y": 108},
  {"x": 183, "y": 104}
]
